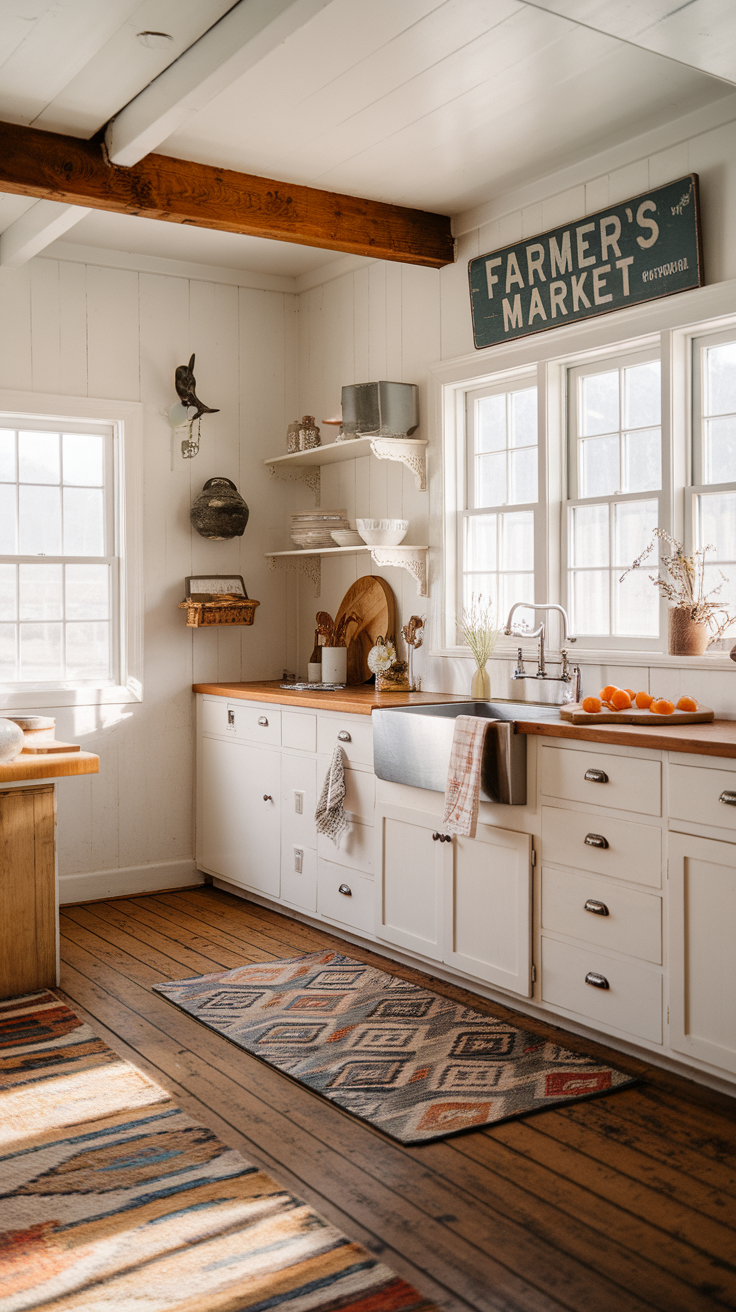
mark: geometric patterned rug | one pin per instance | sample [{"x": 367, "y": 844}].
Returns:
[
  {"x": 113, "y": 1200},
  {"x": 412, "y": 1063}
]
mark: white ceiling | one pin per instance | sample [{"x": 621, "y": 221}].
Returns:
[{"x": 440, "y": 104}]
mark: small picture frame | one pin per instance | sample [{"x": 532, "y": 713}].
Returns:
[{"x": 201, "y": 586}]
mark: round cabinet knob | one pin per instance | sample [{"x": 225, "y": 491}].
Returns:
[
  {"x": 596, "y": 981},
  {"x": 435, "y": 838},
  {"x": 267, "y": 797},
  {"x": 595, "y": 840},
  {"x": 263, "y": 721},
  {"x": 596, "y": 776},
  {"x": 344, "y": 736},
  {"x": 728, "y": 798},
  {"x": 595, "y": 907},
  {"x": 346, "y": 890}
]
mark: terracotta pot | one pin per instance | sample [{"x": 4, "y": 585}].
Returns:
[{"x": 687, "y": 637}]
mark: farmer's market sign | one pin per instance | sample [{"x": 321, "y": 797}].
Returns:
[{"x": 647, "y": 247}]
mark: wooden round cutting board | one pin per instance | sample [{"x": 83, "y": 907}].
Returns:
[{"x": 370, "y": 598}]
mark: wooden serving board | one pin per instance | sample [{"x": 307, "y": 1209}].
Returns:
[
  {"x": 371, "y": 599},
  {"x": 50, "y": 747},
  {"x": 576, "y": 715}
]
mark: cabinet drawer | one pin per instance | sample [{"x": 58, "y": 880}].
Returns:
[
  {"x": 353, "y": 907},
  {"x": 259, "y": 724},
  {"x": 355, "y": 850},
  {"x": 360, "y": 790},
  {"x": 695, "y": 793},
  {"x": 634, "y": 851},
  {"x": 632, "y": 1002},
  {"x": 625, "y": 783},
  {"x": 299, "y": 731},
  {"x": 633, "y": 923},
  {"x": 357, "y": 746}
]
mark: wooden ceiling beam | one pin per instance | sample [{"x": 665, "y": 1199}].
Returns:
[{"x": 54, "y": 167}]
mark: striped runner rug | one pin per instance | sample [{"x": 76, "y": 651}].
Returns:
[{"x": 111, "y": 1198}]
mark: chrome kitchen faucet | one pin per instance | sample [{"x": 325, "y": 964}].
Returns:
[{"x": 569, "y": 675}]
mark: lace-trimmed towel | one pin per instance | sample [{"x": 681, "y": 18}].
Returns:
[
  {"x": 462, "y": 790},
  {"x": 330, "y": 812}
]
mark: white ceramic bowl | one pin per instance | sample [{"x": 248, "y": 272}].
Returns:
[
  {"x": 382, "y": 532},
  {"x": 347, "y": 537}
]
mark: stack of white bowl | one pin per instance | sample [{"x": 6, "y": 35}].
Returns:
[{"x": 314, "y": 532}]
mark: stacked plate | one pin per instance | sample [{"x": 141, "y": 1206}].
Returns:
[{"x": 314, "y": 532}]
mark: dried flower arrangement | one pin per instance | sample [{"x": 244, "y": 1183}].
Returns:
[
  {"x": 681, "y": 579},
  {"x": 478, "y": 631}
]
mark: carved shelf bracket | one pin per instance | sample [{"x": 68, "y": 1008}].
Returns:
[
  {"x": 299, "y": 474},
  {"x": 308, "y": 566},
  {"x": 410, "y": 451},
  {"x": 412, "y": 559}
]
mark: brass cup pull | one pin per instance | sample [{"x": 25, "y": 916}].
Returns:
[
  {"x": 596, "y": 776},
  {"x": 595, "y": 840},
  {"x": 595, "y": 907},
  {"x": 263, "y": 721},
  {"x": 728, "y": 798},
  {"x": 344, "y": 736},
  {"x": 596, "y": 981},
  {"x": 346, "y": 890}
]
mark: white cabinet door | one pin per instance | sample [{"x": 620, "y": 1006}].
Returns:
[
  {"x": 410, "y": 871},
  {"x": 488, "y": 900},
  {"x": 702, "y": 960},
  {"x": 240, "y": 814}
]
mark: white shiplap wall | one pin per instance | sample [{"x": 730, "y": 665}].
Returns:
[
  {"x": 391, "y": 321},
  {"x": 86, "y": 330}
]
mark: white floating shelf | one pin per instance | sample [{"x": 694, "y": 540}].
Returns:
[
  {"x": 413, "y": 559},
  {"x": 305, "y": 465}
]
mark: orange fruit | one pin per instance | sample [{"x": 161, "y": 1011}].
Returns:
[
  {"x": 620, "y": 700},
  {"x": 631, "y": 693},
  {"x": 606, "y": 693},
  {"x": 663, "y": 706},
  {"x": 687, "y": 704},
  {"x": 591, "y": 704},
  {"x": 644, "y": 700}
]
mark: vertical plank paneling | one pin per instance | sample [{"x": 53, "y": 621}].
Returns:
[
  {"x": 112, "y": 345},
  {"x": 15, "y": 328},
  {"x": 45, "y": 326},
  {"x": 72, "y": 329}
]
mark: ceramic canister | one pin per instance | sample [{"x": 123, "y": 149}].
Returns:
[
  {"x": 334, "y": 664},
  {"x": 11, "y": 741}
]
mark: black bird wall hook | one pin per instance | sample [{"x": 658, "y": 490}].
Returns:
[{"x": 185, "y": 384}]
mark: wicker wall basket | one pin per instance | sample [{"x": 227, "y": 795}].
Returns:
[{"x": 202, "y": 613}]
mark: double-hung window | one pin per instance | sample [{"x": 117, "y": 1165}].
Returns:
[
  {"x": 498, "y": 522},
  {"x": 615, "y": 498},
  {"x": 58, "y": 569},
  {"x": 713, "y": 503}
]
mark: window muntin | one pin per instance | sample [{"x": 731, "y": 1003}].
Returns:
[
  {"x": 714, "y": 459},
  {"x": 497, "y": 546},
  {"x": 57, "y": 567},
  {"x": 615, "y": 464},
  {"x": 719, "y": 413}
]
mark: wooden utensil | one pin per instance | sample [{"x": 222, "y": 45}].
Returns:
[
  {"x": 372, "y": 602},
  {"x": 326, "y": 627},
  {"x": 575, "y": 713}
]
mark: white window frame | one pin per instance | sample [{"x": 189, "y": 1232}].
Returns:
[
  {"x": 698, "y": 344},
  {"x": 663, "y": 496},
  {"x": 124, "y": 419},
  {"x": 672, "y": 322}
]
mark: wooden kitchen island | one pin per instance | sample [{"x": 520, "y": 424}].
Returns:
[{"x": 28, "y": 886}]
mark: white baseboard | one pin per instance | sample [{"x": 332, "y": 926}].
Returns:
[{"x": 126, "y": 880}]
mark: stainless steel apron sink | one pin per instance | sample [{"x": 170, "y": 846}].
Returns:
[{"x": 411, "y": 745}]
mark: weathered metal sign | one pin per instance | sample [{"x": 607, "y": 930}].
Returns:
[{"x": 647, "y": 247}]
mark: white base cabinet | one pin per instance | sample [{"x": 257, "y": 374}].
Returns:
[{"x": 634, "y": 897}]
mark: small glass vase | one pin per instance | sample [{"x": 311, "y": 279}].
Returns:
[{"x": 480, "y": 687}]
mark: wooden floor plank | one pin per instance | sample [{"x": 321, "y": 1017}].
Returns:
[
  {"x": 577, "y": 1207},
  {"x": 475, "y": 1276}
]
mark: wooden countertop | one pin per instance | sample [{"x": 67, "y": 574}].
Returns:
[
  {"x": 54, "y": 765},
  {"x": 359, "y": 700},
  {"x": 715, "y": 739},
  {"x": 718, "y": 738}
]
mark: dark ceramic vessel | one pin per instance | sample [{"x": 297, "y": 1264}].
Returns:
[{"x": 219, "y": 512}]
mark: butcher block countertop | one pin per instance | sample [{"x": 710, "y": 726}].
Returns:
[
  {"x": 360, "y": 700},
  {"x": 56, "y": 765},
  {"x": 715, "y": 739}
]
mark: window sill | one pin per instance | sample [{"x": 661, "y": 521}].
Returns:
[
  {"x": 717, "y": 660},
  {"x": 45, "y": 698}
]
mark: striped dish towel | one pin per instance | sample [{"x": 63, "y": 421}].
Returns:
[
  {"x": 330, "y": 812},
  {"x": 462, "y": 790}
]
